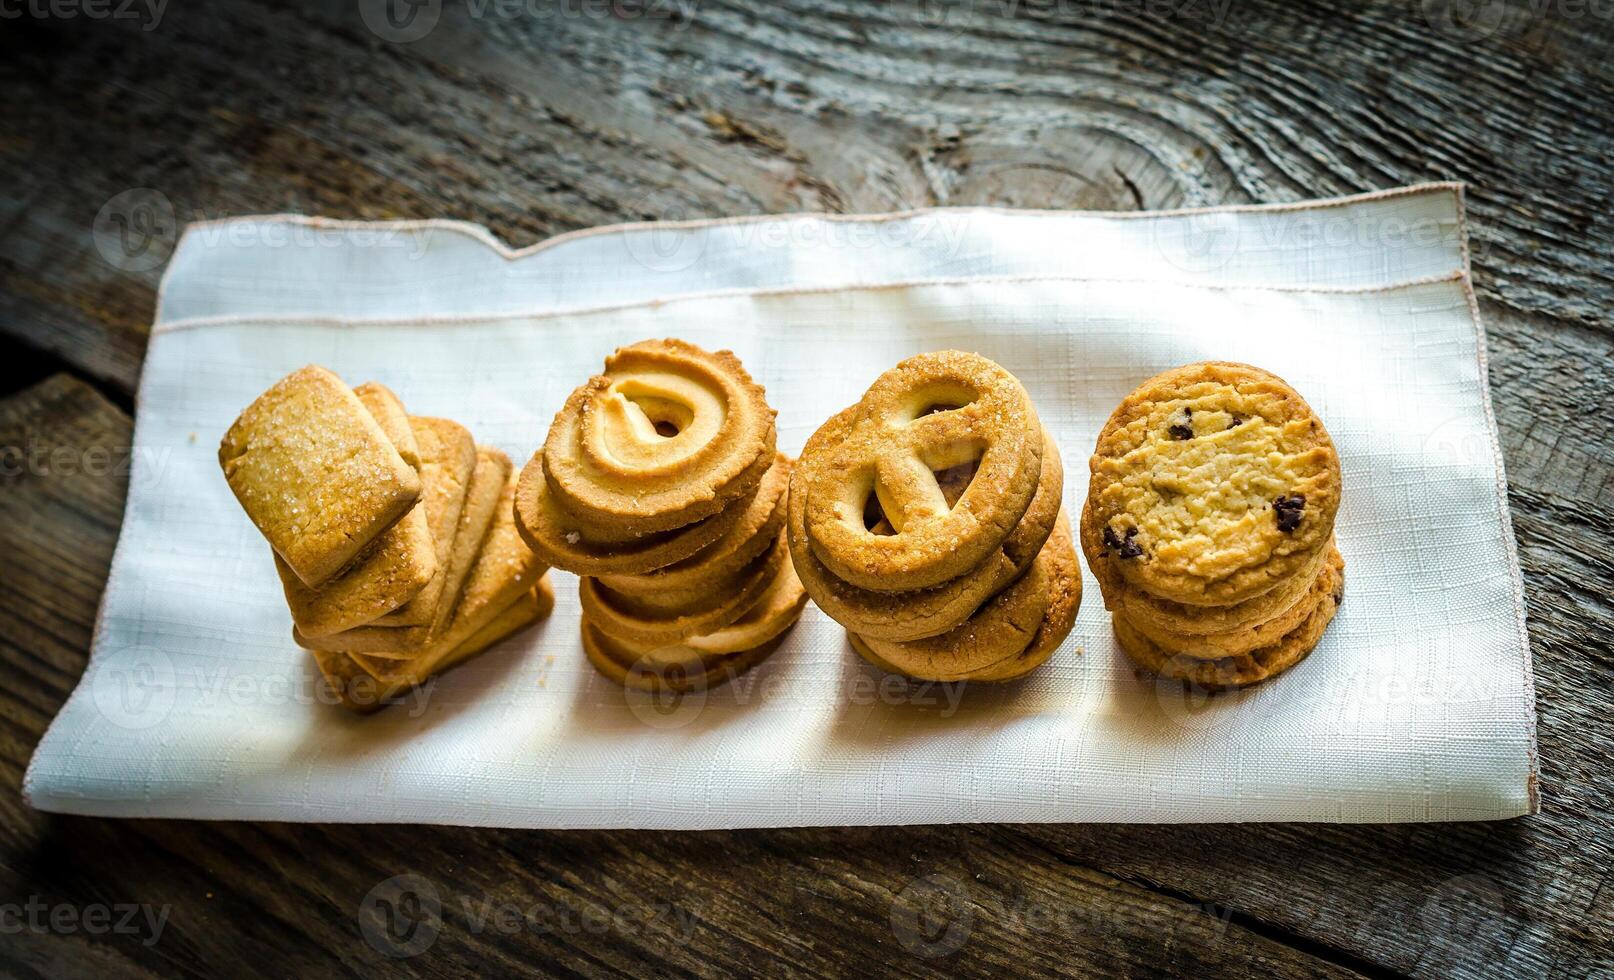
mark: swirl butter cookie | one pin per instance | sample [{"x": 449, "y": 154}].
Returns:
[
  {"x": 667, "y": 435},
  {"x": 1212, "y": 484},
  {"x": 776, "y": 610},
  {"x": 924, "y": 612},
  {"x": 658, "y": 620},
  {"x": 565, "y": 542},
  {"x": 611, "y": 659},
  {"x": 757, "y": 524},
  {"x": 930, "y": 413}
]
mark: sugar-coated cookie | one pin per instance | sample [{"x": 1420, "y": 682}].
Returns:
[{"x": 316, "y": 473}]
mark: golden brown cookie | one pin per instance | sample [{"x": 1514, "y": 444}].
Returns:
[
  {"x": 930, "y": 413},
  {"x": 1003, "y": 628},
  {"x": 1215, "y": 646},
  {"x": 1145, "y": 609},
  {"x": 643, "y": 620},
  {"x": 669, "y": 434},
  {"x": 1212, "y": 484},
  {"x": 315, "y": 472},
  {"x": 447, "y": 464},
  {"x": 504, "y": 569},
  {"x": 1236, "y": 671},
  {"x": 482, "y": 501},
  {"x": 925, "y": 612},
  {"x": 564, "y": 542},
  {"x": 621, "y": 666},
  {"x": 389, "y": 413},
  {"x": 360, "y": 691},
  {"x": 396, "y": 566},
  {"x": 776, "y": 610},
  {"x": 758, "y": 525},
  {"x": 390, "y": 570}
]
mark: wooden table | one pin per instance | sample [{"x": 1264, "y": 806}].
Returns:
[{"x": 535, "y": 120}]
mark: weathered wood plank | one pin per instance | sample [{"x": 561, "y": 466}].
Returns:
[{"x": 536, "y": 119}]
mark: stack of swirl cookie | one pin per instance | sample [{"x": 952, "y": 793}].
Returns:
[
  {"x": 926, "y": 520},
  {"x": 660, "y": 485},
  {"x": 1209, "y": 525}
]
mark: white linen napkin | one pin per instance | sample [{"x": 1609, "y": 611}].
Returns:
[{"x": 1417, "y": 705}]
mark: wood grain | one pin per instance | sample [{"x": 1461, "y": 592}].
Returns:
[{"x": 551, "y": 119}]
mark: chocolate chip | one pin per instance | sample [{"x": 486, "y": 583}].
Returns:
[
  {"x": 1339, "y": 598},
  {"x": 1126, "y": 547},
  {"x": 1287, "y": 509},
  {"x": 1183, "y": 429},
  {"x": 1235, "y": 421}
]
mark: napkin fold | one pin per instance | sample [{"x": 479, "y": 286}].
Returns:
[{"x": 1417, "y": 705}]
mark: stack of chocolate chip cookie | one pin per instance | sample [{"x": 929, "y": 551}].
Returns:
[
  {"x": 660, "y": 485},
  {"x": 392, "y": 533},
  {"x": 1209, "y": 525},
  {"x": 926, "y": 520}
]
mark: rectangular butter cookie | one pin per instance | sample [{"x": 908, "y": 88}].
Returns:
[
  {"x": 492, "y": 474},
  {"x": 359, "y": 691},
  {"x": 447, "y": 463},
  {"x": 504, "y": 569},
  {"x": 395, "y": 566},
  {"x": 315, "y": 473}
]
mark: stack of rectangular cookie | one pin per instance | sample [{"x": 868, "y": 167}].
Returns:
[
  {"x": 1209, "y": 525},
  {"x": 393, "y": 534}
]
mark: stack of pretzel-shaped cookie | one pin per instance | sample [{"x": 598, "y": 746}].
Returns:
[
  {"x": 660, "y": 485},
  {"x": 1209, "y": 525},
  {"x": 926, "y": 520}
]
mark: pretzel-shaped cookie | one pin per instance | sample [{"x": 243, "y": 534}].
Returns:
[
  {"x": 923, "y": 612},
  {"x": 669, "y": 434},
  {"x": 930, "y": 412}
]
